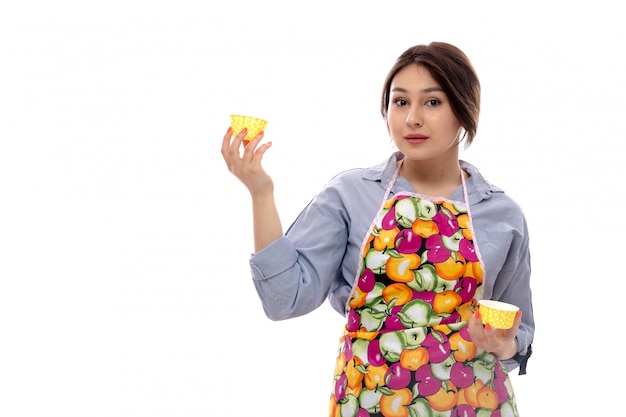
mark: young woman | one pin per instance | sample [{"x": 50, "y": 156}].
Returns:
[{"x": 405, "y": 250}]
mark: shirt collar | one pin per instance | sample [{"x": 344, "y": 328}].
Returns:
[{"x": 478, "y": 187}]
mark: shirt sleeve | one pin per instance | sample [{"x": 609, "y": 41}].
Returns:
[
  {"x": 508, "y": 258},
  {"x": 294, "y": 275},
  {"x": 516, "y": 274}
]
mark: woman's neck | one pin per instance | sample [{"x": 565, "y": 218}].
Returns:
[{"x": 432, "y": 179}]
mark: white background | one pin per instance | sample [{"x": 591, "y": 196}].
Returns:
[{"x": 124, "y": 284}]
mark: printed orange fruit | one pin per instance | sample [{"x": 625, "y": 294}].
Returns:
[{"x": 487, "y": 398}]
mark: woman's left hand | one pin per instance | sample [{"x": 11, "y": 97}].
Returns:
[{"x": 500, "y": 342}]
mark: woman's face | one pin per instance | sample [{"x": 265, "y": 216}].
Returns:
[{"x": 420, "y": 118}]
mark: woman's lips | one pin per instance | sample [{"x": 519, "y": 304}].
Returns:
[{"x": 415, "y": 138}]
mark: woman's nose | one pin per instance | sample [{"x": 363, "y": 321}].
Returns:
[{"x": 414, "y": 117}]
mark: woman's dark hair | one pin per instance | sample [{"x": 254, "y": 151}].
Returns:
[{"x": 453, "y": 71}]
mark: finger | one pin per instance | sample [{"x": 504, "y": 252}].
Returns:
[
  {"x": 262, "y": 149},
  {"x": 476, "y": 328},
  {"x": 236, "y": 144},
  {"x": 250, "y": 147},
  {"x": 226, "y": 143}
]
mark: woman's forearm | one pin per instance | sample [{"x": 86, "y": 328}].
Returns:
[{"x": 266, "y": 221}]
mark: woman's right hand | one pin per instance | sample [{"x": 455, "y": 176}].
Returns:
[
  {"x": 248, "y": 168},
  {"x": 247, "y": 165}
]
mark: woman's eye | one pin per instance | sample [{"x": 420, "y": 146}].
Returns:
[
  {"x": 432, "y": 102},
  {"x": 400, "y": 102}
]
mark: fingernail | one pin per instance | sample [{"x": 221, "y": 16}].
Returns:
[
  {"x": 477, "y": 314},
  {"x": 244, "y": 130},
  {"x": 262, "y": 132},
  {"x": 230, "y": 129},
  {"x": 487, "y": 327}
]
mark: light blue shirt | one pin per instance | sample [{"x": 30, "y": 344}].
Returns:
[{"x": 318, "y": 257}]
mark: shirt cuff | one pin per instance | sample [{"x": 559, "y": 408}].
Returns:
[{"x": 274, "y": 259}]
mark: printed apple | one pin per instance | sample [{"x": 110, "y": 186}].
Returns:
[
  {"x": 469, "y": 394},
  {"x": 445, "y": 398},
  {"x": 375, "y": 293},
  {"x": 401, "y": 267},
  {"x": 424, "y": 228},
  {"x": 442, "y": 370},
  {"x": 395, "y": 404},
  {"x": 415, "y": 313},
  {"x": 392, "y": 322},
  {"x": 341, "y": 383},
  {"x": 446, "y": 302},
  {"x": 371, "y": 319},
  {"x": 427, "y": 296},
  {"x": 483, "y": 371},
  {"x": 461, "y": 375},
  {"x": 384, "y": 239},
  {"x": 375, "y": 261},
  {"x": 463, "y": 349},
  {"x": 360, "y": 350},
  {"x": 406, "y": 212},
  {"x": 499, "y": 387},
  {"x": 362, "y": 413},
  {"x": 370, "y": 400},
  {"x": 438, "y": 346},
  {"x": 349, "y": 406},
  {"x": 436, "y": 252},
  {"x": 347, "y": 348},
  {"x": 414, "y": 337},
  {"x": 463, "y": 410},
  {"x": 427, "y": 384},
  {"x": 452, "y": 243},
  {"x": 391, "y": 345},
  {"x": 389, "y": 219},
  {"x": 466, "y": 288},
  {"x": 375, "y": 376},
  {"x": 468, "y": 250},
  {"x": 426, "y": 209},
  {"x": 406, "y": 241},
  {"x": 397, "y": 377},
  {"x": 446, "y": 222},
  {"x": 425, "y": 278},
  {"x": 420, "y": 408},
  {"x": 367, "y": 280},
  {"x": 413, "y": 359},
  {"x": 452, "y": 268},
  {"x": 374, "y": 354},
  {"x": 397, "y": 294},
  {"x": 353, "y": 321},
  {"x": 507, "y": 410}
]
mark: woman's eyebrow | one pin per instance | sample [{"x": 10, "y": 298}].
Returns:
[{"x": 425, "y": 90}]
